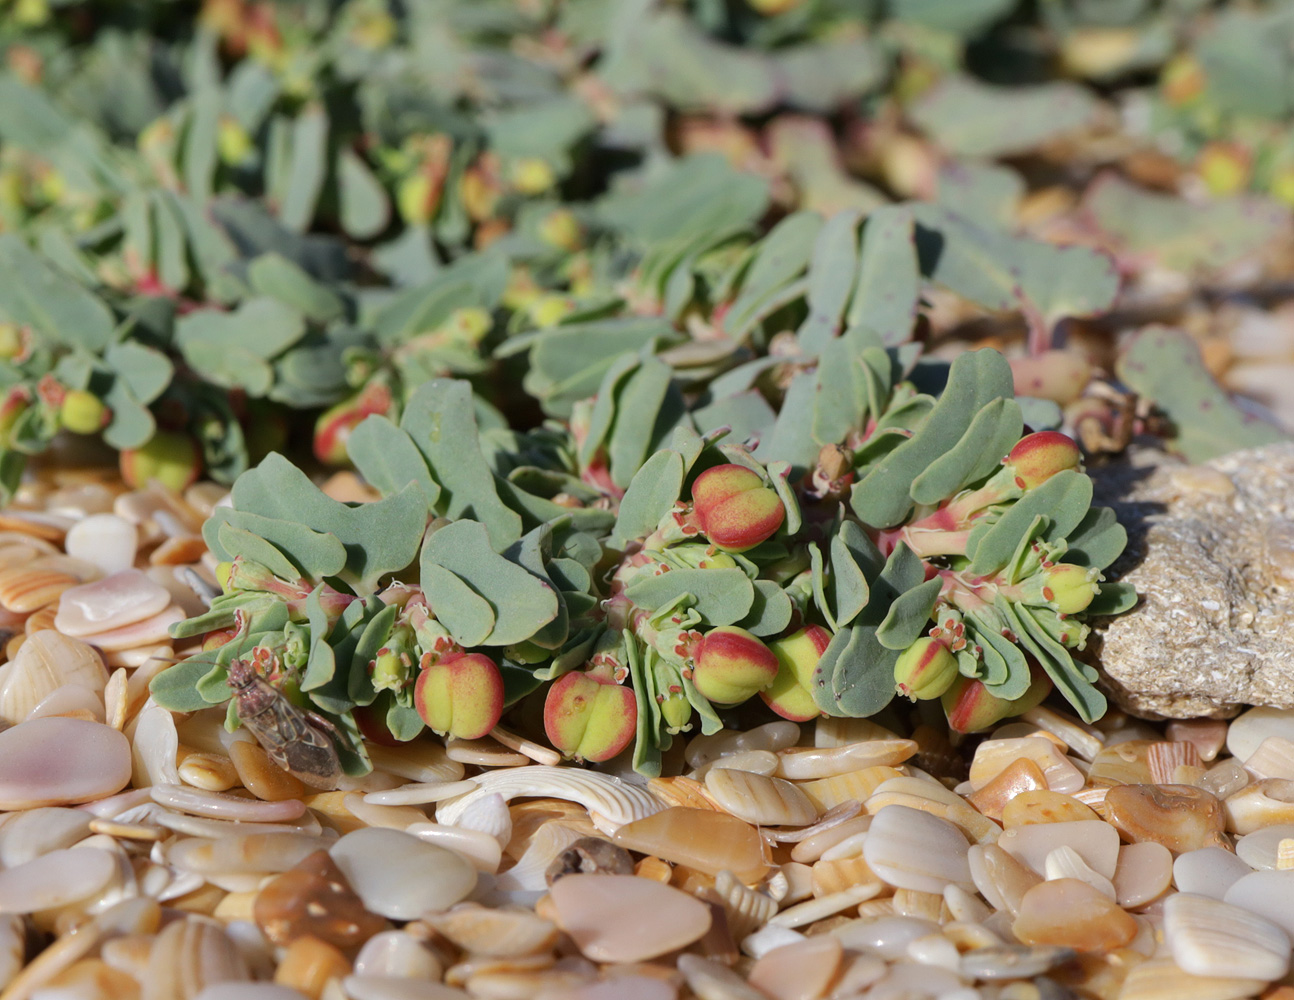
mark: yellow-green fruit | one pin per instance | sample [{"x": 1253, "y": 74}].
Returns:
[
  {"x": 532, "y": 176},
  {"x": 82, "y": 412},
  {"x": 797, "y": 656},
  {"x": 232, "y": 141},
  {"x": 170, "y": 458}
]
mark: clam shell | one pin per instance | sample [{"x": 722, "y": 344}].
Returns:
[
  {"x": 613, "y": 801},
  {"x": 1274, "y": 758},
  {"x": 807, "y": 763},
  {"x": 1161, "y": 979},
  {"x": 46, "y": 662},
  {"x": 935, "y": 799},
  {"x": 1165, "y": 757},
  {"x": 912, "y": 849},
  {"x": 1084, "y": 740},
  {"x": 488, "y": 814},
  {"x": 681, "y": 791},
  {"x": 1208, "y": 937},
  {"x": 747, "y": 909},
  {"x": 829, "y": 731},
  {"x": 188, "y": 956},
  {"x": 856, "y": 786},
  {"x": 758, "y": 799},
  {"x": 24, "y": 590},
  {"x": 498, "y": 933}
]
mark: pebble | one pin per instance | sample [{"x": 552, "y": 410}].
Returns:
[
  {"x": 1210, "y": 871},
  {"x": 56, "y": 879},
  {"x": 1143, "y": 873},
  {"x": 801, "y": 971},
  {"x": 704, "y": 839},
  {"x": 111, "y": 603},
  {"x": 400, "y": 876},
  {"x": 396, "y": 953},
  {"x": 60, "y": 761},
  {"x": 591, "y": 908},
  {"x": 1096, "y": 842},
  {"x": 1073, "y": 914},
  {"x": 1261, "y": 849},
  {"x": 912, "y": 849},
  {"x": 1208, "y": 937},
  {"x": 1180, "y": 817},
  {"x": 314, "y": 899},
  {"x": 1045, "y": 806},
  {"x": 106, "y": 540}
]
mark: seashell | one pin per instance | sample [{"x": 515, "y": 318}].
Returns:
[
  {"x": 484, "y": 752},
  {"x": 875, "y": 909},
  {"x": 707, "y": 978},
  {"x": 1208, "y": 736},
  {"x": 56, "y": 879},
  {"x": 700, "y": 839},
  {"x": 1071, "y": 913},
  {"x": 13, "y": 946},
  {"x": 249, "y": 853},
  {"x": 1016, "y": 778},
  {"x": 179, "y": 550},
  {"x": 1210, "y": 938},
  {"x": 829, "y": 731},
  {"x": 856, "y": 786},
  {"x": 1043, "y": 806},
  {"x": 420, "y": 793},
  {"x": 963, "y": 906},
  {"x": 201, "y": 826},
  {"x": 480, "y": 849},
  {"x": 684, "y": 792},
  {"x": 1014, "y": 961},
  {"x": 142, "y": 633},
  {"x": 772, "y": 736},
  {"x": 69, "y": 701},
  {"x": 110, "y": 604},
  {"x": 28, "y": 834},
  {"x": 807, "y": 763},
  {"x": 1264, "y": 803},
  {"x": 847, "y": 848},
  {"x": 761, "y": 762},
  {"x": 911, "y": 849},
  {"x": 1181, "y": 817},
  {"x": 188, "y": 956},
  {"x": 115, "y": 703},
  {"x": 128, "y": 831},
  {"x": 832, "y": 818},
  {"x": 396, "y": 953},
  {"x": 418, "y": 760},
  {"x": 1161, "y": 979},
  {"x": 37, "y": 620},
  {"x": 30, "y": 524},
  {"x": 935, "y": 799},
  {"x": 1274, "y": 758},
  {"x": 1260, "y": 850},
  {"x": 923, "y": 905},
  {"x": 547, "y": 842},
  {"x": 838, "y": 875},
  {"x": 1096, "y": 842},
  {"x": 488, "y": 814},
  {"x": 1084, "y": 740},
  {"x": 760, "y": 800},
  {"x": 208, "y": 771},
  {"x": 47, "y": 662},
  {"x": 1122, "y": 764},
  {"x": 804, "y": 969},
  {"x": 24, "y": 590},
  {"x": 1247, "y": 731},
  {"x": 746, "y": 909},
  {"x": 1143, "y": 873},
  {"x": 1166, "y": 756},
  {"x": 1000, "y": 877},
  {"x": 789, "y": 883},
  {"x": 616, "y": 802},
  {"x": 1266, "y": 893},
  {"x": 391, "y": 817},
  {"x": 217, "y": 805},
  {"x": 106, "y": 541},
  {"x": 820, "y": 907},
  {"x": 1210, "y": 871},
  {"x": 513, "y": 741},
  {"x": 497, "y": 933},
  {"x": 995, "y": 755},
  {"x": 814, "y": 847},
  {"x": 1064, "y": 862},
  {"x": 887, "y": 937}
]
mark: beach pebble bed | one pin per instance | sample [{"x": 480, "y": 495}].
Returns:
[{"x": 154, "y": 855}]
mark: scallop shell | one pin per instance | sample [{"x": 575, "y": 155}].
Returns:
[
  {"x": 489, "y": 815},
  {"x": 681, "y": 791},
  {"x": 758, "y": 799},
  {"x": 746, "y": 909},
  {"x": 24, "y": 590},
  {"x": 33, "y": 832},
  {"x": 827, "y": 793},
  {"x": 189, "y": 955},
  {"x": 772, "y": 736},
  {"x": 1166, "y": 756},
  {"x": 498, "y": 933},
  {"x": 842, "y": 873},
  {"x": 1274, "y": 758},
  {"x": 610, "y": 800},
  {"x": 553, "y": 837}
]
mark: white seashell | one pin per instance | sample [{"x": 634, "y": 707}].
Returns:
[
  {"x": 401, "y": 876},
  {"x": 850, "y": 847},
  {"x": 106, "y": 540},
  {"x": 56, "y": 879},
  {"x": 813, "y": 910},
  {"x": 1268, "y": 894},
  {"x": 202, "y": 826},
  {"x": 218, "y": 805},
  {"x": 767, "y": 939},
  {"x": 181, "y": 884},
  {"x": 771, "y": 736},
  {"x": 392, "y": 988},
  {"x": 713, "y": 981},
  {"x": 529, "y": 873},
  {"x": 830, "y": 819},
  {"x": 245, "y": 854},
  {"x": 13, "y": 945},
  {"x": 1096, "y": 842},
  {"x": 1161, "y": 979},
  {"x": 1274, "y": 758},
  {"x": 1209, "y": 871},
  {"x": 420, "y": 793},
  {"x": 420, "y": 760},
  {"x": 816, "y": 845},
  {"x": 112, "y": 603},
  {"x": 758, "y": 799},
  {"x": 500, "y": 933},
  {"x": 1086, "y": 741},
  {"x": 807, "y": 763},
  {"x": 154, "y": 744},
  {"x": 514, "y": 741},
  {"x": 1065, "y": 862},
  {"x": 392, "y": 817},
  {"x": 33, "y": 832},
  {"x": 189, "y": 955},
  {"x": 888, "y": 937},
  {"x": 934, "y": 798},
  {"x": 70, "y": 699},
  {"x": 1210, "y": 938},
  {"x": 1262, "y": 804},
  {"x": 46, "y": 662},
  {"x": 911, "y": 849},
  {"x": 761, "y": 762},
  {"x": 483, "y": 851},
  {"x": 829, "y": 731},
  {"x": 1261, "y": 849},
  {"x": 746, "y": 909},
  {"x": 397, "y": 953},
  {"x": 1247, "y": 731},
  {"x": 965, "y": 907},
  {"x": 618, "y": 802},
  {"x": 488, "y": 815}
]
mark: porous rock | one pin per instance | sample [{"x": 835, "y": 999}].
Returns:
[{"x": 1211, "y": 553}]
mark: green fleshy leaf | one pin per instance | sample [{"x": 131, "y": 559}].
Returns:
[
  {"x": 322, "y": 662},
  {"x": 888, "y": 286},
  {"x": 440, "y": 420},
  {"x": 145, "y": 371},
  {"x": 855, "y": 676},
  {"x": 651, "y": 495},
  {"x": 260, "y": 328},
  {"x": 274, "y": 276},
  {"x": 639, "y": 409},
  {"x": 832, "y": 269},
  {"x": 388, "y": 459},
  {"x": 1064, "y": 500},
  {"x": 909, "y": 615},
  {"x": 36, "y": 295},
  {"x": 847, "y": 592},
  {"x": 1098, "y": 540},
  {"x": 309, "y": 168},
  {"x": 176, "y": 688},
  {"x": 720, "y": 596},
  {"x": 1068, "y": 676},
  {"x": 990, "y": 435},
  {"x": 468, "y": 616},
  {"x": 359, "y": 682},
  {"x": 522, "y": 602},
  {"x": 365, "y": 210},
  {"x": 237, "y": 541},
  {"x": 534, "y": 553},
  {"x": 1113, "y": 599},
  {"x": 770, "y": 612},
  {"x": 883, "y": 497}
]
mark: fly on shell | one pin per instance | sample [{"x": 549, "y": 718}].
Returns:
[{"x": 299, "y": 741}]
